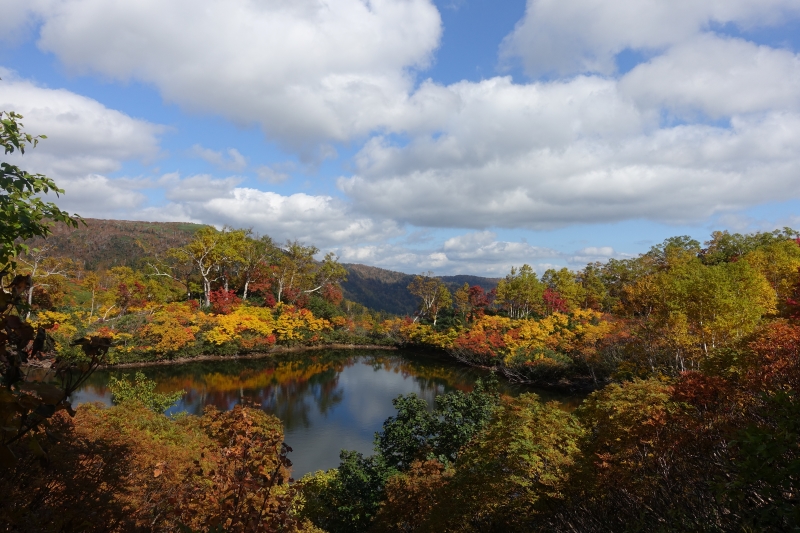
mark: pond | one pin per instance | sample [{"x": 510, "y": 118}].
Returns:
[{"x": 328, "y": 400}]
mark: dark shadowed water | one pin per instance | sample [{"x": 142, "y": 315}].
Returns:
[{"x": 327, "y": 400}]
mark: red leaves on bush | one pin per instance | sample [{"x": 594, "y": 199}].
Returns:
[
  {"x": 223, "y": 302},
  {"x": 480, "y": 342}
]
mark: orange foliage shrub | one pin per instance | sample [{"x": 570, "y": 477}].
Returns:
[
  {"x": 411, "y": 496},
  {"x": 128, "y": 469},
  {"x": 776, "y": 362}
]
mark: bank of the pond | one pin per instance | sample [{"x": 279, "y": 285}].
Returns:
[
  {"x": 276, "y": 350},
  {"x": 570, "y": 383},
  {"x": 564, "y": 384}
]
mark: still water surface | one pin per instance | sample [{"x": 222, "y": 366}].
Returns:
[{"x": 327, "y": 400}]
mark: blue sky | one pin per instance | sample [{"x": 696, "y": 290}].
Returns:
[{"x": 459, "y": 136}]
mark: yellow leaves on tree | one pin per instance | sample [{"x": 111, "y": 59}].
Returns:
[
  {"x": 171, "y": 329},
  {"x": 249, "y": 321},
  {"x": 293, "y": 324}
]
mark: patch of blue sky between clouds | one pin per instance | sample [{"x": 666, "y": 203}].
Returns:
[{"x": 473, "y": 31}]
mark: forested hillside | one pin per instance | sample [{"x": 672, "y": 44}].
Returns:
[
  {"x": 103, "y": 244},
  {"x": 386, "y": 290}
]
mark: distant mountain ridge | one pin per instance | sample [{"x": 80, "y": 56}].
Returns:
[
  {"x": 387, "y": 290},
  {"x": 102, "y": 244}
]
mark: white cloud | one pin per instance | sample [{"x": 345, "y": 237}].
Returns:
[
  {"x": 319, "y": 220},
  {"x": 18, "y": 17},
  {"x": 552, "y": 154},
  {"x": 321, "y": 76},
  {"x": 197, "y": 188},
  {"x": 96, "y": 196},
  {"x": 304, "y": 70},
  {"x": 592, "y": 254},
  {"x": 231, "y": 159},
  {"x": 483, "y": 247},
  {"x": 585, "y": 35},
  {"x": 83, "y": 136},
  {"x": 717, "y": 77},
  {"x": 601, "y": 251},
  {"x": 477, "y": 253}
]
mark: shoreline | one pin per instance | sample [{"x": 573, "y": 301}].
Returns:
[
  {"x": 255, "y": 355},
  {"x": 574, "y": 385}
]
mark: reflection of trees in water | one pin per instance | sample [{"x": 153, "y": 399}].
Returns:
[
  {"x": 430, "y": 375},
  {"x": 289, "y": 390},
  {"x": 293, "y": 401},
  {"x": 292, "y": 388}
]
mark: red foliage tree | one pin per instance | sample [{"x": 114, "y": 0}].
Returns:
[
  {"x": 554, "y": 302},
  {"x": 223, "y": 302},
  {"x": 332, "y": 294}
]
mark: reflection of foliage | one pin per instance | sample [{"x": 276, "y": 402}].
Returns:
[{"x": 141, "y": 390}]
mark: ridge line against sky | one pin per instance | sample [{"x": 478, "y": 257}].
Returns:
[{"x": 459, "y": 136}]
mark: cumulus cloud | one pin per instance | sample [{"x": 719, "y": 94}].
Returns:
[
  {"x": 474, "y": 252},
  {"x": 321, "y": 220},
  {"x": 592, "y": 254},
  {"x": 272, "y": 174},
  {"x": 551, "y": 154},
  {"x": 197, "y": 188},
  {"x": 705, "y": 126},
  {"x": 483, "y": 247},
  {"x": 95, "y": 196},
  {"x": 716, "y": 77},
  {"x": 83, "y": 136},
  {"x": 18, "y": 18},
  {"x": 585, "y": 35},
  {"x": 85, "y": 140},
  {"x": 302, "y": 69}
]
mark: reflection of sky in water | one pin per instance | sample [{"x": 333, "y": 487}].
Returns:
[{"x": 325, "y": 403}]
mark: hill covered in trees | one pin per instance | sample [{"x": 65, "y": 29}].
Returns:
[
  {"x": 386, "y": 290},
  {"x": 103, "y": 244}
]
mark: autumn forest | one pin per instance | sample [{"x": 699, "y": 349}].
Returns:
[{"x": 689, "y": 355}]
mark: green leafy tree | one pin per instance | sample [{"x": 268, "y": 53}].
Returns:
[
  {"x": 297, "y": 273},
  {"x": 520, "y": 292},
  {"x": 203, "y": 253},
  {"x": 346, "y": 499},
  {"x": 231, "y": 249},
  {"x": 23, "y": 214},
  {"x": 26, "y": 406},
  {"x": 523, "y": 456},
  {"x": 433, "y": 294},
  {"x": 141, "y": 390},
  {"x": 595, "y": 292},
  {"x": 565, "y": 283},
  {"x": 417, "y": 433},
  {"x": 257, "y": 254}
]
